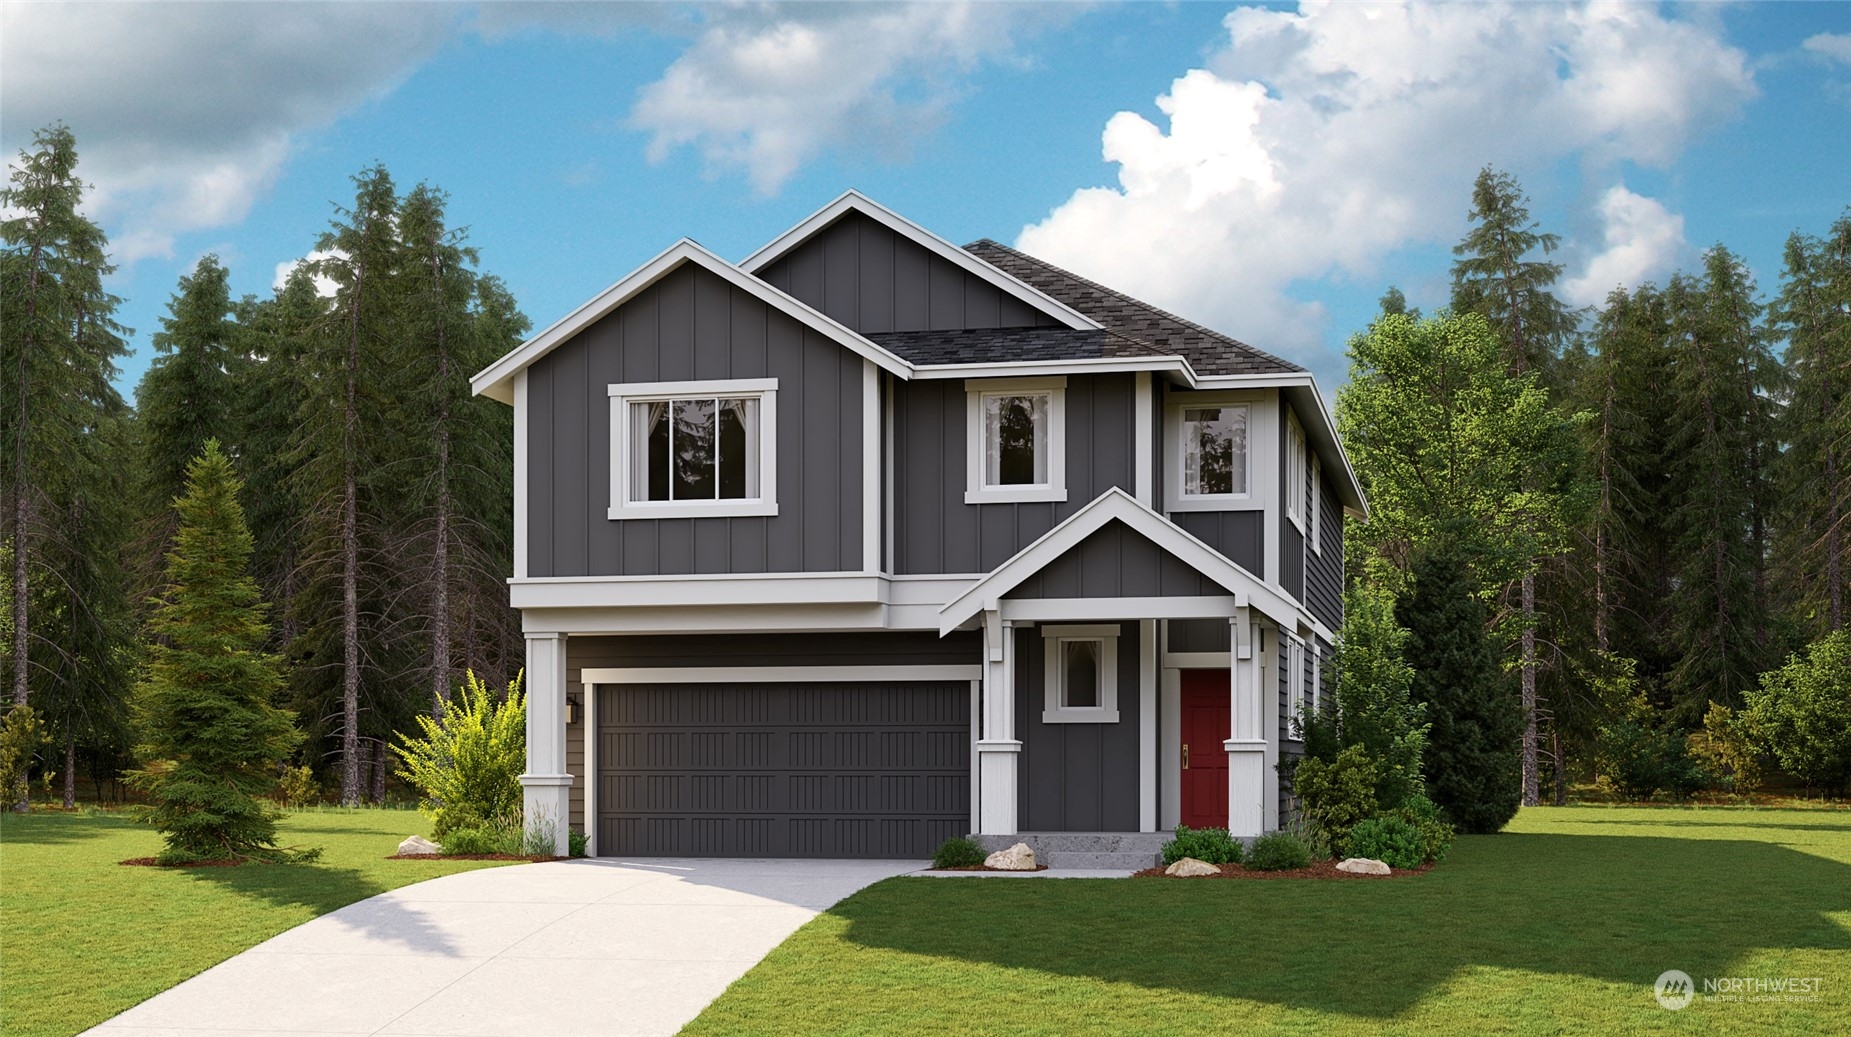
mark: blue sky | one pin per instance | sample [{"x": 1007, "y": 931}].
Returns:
[{"x": 1299, "y": 160}]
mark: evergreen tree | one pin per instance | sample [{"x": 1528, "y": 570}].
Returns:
[
  {"x": 1472, "y": 769},
  {"x": 1813, "y": 475},
  {"x": 188, "y": 394},
  {"x": 212, "y": 740},
  {"x": 1496, "y": 277}
]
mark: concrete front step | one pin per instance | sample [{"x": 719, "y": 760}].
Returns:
[{"x": 1101, "y": 850}]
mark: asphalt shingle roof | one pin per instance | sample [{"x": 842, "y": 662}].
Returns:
[
  {"x": 996, "y": 345},
  {"x": 1209, "y": 352}
]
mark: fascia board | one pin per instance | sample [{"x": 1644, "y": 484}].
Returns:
[
  {"x": 495, "y": 381},
  {"x": 855, "y": 200}
]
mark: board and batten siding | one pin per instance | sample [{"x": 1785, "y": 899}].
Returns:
[
  {"x": 693, "y": 326},
  {"x": 1076, "y": 777},
  {"x": 873, "y": 280},
  {"x": 1240, "y": 536},
  {"x": 937, "y": 532},
  {"x": 1116, "y": 561}
]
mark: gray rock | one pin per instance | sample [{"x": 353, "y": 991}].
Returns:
[
  {"x": 1362, "y": 866},
  {"x": 418, "y": 844},
  {"x": 1189, "y": 868},
  {"x": 1016, "y": 858}
]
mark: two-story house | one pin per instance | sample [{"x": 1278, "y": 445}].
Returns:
[{"x": 870, "y": 540}]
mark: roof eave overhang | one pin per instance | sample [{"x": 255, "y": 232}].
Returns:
[{"x": 1320, "y": 427}]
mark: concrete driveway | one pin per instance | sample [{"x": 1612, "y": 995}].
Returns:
[{"x": 580, "y": 947}]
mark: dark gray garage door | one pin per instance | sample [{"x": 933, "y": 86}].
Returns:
[{"x": 782, "y": 770}]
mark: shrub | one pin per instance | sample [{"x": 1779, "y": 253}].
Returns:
[
  {"x": 1209, "y": 845},
  {"x": 1336, "y": 796},
  {"x": 1641, "y": 760},
  {"x": 958, "y": 852},
  {"x": 578, "y": 845},
  {"x": 21, "y": 734},
  {"x": 297, "y": 787},
  {"x": 467, "y": 766},
  {"x": 501, "y": 835},
  {"x": 1725, "y": 748},
  {"x": 1436, "y": 836},
  {"x": 1389, "y": 839},
  {"x": 1802, "y": 714},
  {"x": 1278, "y": 851}
]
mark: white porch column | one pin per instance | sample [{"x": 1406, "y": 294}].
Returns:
[
  {"x": 546, "y": 788},
  {"x": 1246, "y": 745},
  {"x": 1147, "y": 725},
  {"x": 997, "y": 748}
]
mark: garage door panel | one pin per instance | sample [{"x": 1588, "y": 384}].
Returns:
[{"x": 822, "y": 770}]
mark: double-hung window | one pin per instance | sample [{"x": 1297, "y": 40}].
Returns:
[
  {"x": 684, "y": 449},
  {"x": 1017, "y": 434},
  {"x": 1295, "y": 481},
  {"x": 1081, "y": 667}
]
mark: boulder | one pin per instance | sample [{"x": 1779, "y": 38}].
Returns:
[
  {"x": 1362, "y": 866},
  {"x": 1189, "y": 868},
  {"x": 1016, "y": 858},
  {"x": 418, "y": 844}
]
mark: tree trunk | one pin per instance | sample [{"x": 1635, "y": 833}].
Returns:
[
  {"x": 1561, "y": 770},
  {"x": 70, "y": 768},
  {"x": 350, "y": 565},
  {"x": 1530, "y": 777},
  {"x": 381, "y": 760},
  {"x": 440, "y": 561}
]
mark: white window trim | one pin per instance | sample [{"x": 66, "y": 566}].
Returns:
[
  {"x": 1055, "y": 489},
  {"x": 1295, "y": 674},
  {"x": 1258, "y": 413},
  {"x": 1316, "y": 506},
  {"x": 1317, "y": 667},
  {"x": 1107, "y": 710},
  {"x": 624, "y": 394},
  {"x": 1294, "y": 471}
]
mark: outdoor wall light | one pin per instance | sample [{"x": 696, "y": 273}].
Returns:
[{"x": 571, "y": 710}]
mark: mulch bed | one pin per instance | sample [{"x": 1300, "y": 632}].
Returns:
[
  {"x": 150, "y": 862},
  {"x": 985, "y": 867},
  {"x": 1318, "y": 870},
  {"x": 471, "y": 857}
]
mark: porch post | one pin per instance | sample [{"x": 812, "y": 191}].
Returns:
[
  {"x": 546, "y": 788},
  {"x": 997, "y": 747},
  {"x": 1147, "y": 725},
  {"x": 1246, "y": 745}
]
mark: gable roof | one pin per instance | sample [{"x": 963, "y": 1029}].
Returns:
[
  {"x": 1115, "y": 505},
  {"x": 496, "y": 381},
  {"x": 1208, "y": 351},
  {"x": 855, "y": 201}
]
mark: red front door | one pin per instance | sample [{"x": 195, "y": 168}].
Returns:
[{"x": 1206, "y": 723}]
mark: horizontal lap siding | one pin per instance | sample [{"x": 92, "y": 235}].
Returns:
[
  {"x": 1324, "y": 571},
  {"x": 1076, "y": 777},
  {"x": 939, "y": 533},
  {"x": 871, "y": 279},
  {"x": 691, "y": 325}
]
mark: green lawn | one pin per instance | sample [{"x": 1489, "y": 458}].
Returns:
[
  {"x": 1559, "y": 925},
  {"x": 82, "y": 938}
]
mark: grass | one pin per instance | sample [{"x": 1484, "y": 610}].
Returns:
[
  {"x": 82, "y": 938},
  {"x": 1559, "y": 925}
]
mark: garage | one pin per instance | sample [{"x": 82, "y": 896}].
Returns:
[{"x": 784, "y": 769}]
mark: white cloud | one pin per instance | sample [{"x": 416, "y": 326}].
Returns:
[
  {"x": 1833, "y": 45},
  {"x": 324, "y": 285},
  {"x": 185, "y": 113},
  {"x": 766, "y": 89},
  {"x": 1642, "y": 240},
  {"x": 1321, "y": 140}
]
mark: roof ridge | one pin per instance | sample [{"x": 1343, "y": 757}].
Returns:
[{"x": 1158, "y": 310}]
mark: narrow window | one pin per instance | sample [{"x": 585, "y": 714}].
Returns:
[{"x": 1080, "y": 682}]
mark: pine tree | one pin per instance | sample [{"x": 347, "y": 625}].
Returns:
[
  {"x": 1496, "y": 278},
  {"x": 187, "y": 396},
  {"x": 1471, "y": 764},
  {"x": 1814, "y": 473},
  {"x": 212, "y": 740}
]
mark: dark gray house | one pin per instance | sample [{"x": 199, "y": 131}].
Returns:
[{"x": 870, "y": 540}]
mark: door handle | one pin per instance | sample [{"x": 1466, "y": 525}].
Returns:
[{"x": 1185, "y": 756}]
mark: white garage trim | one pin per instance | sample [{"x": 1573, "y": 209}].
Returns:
[{"x": 775, "y": 674}]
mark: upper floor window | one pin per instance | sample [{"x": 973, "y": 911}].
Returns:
[
  {"x": 681, "y": 449},
  {"x": 1209, "y": 450},
  {"x": 1017, "y": 435},
  {"x": 1316, "y": 507},
  {"x": 1295, "y": 481}
]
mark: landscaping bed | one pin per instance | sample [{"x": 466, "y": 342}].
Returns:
[
  {"x": 1316, "y": 870},
  {"x": 1003, "y": 871}
]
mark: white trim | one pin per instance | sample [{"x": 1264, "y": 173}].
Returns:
[
  {"x": 1142, "y": 391},
  {"x": 695, "y": 589},
  {"x": 590, "y": 736},
  {"x": 1054, "y": 710},
  {"x": 1294, "y": 677},
  {"x": 1114, "y": 505},
  {"x": 1198, "y": 660},
  {"x": 976, "y": 735},
  {"x": 1258, "y": 405},
  {"x": 1031, "y": 368},
  {"x": 1147, "y": 725},
  {"x": 522, "y": 415},
  {"x": 870, "y": 468},
  {"x": 1317, "y": 675},
  {"x": 976, "y": 390},
  {"x": 1057, "y": 609},
  {"x": 858, "y": 202},
  {"x": 1303, "y": 390},
  {"x": 1169, "y": 747},
  {"x": 493, "y": 380},
  {"x": 623, "y": 395},
  {"x": 774, "y": 674},
  {"x": 1296, "y": 450},
  {"x": 708, "y": 619},
  {"x": 890, "y": 524}
]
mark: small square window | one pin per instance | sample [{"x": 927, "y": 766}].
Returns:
[
  {"x": 1081, "y": 674},
  {"x": 1017, "y": 438},
  {"x": 693, "y": 448}
]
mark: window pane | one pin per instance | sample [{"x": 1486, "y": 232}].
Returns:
[
  {"x": 649, "y": 452},
  {"x": 737, "y": 458},
  {"x": 693, "y": 444},
  {"x": 1015, "y": 440},
  {"x": 1080, "y": 674},
  {"x": 1215, "y": 450}
]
